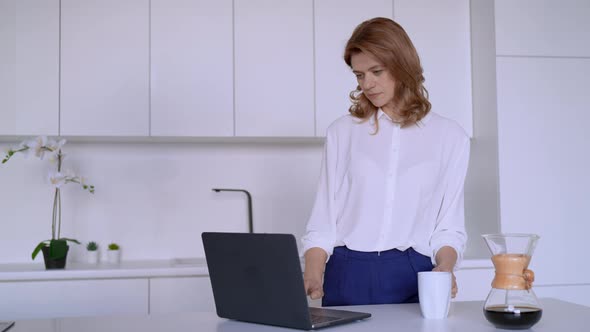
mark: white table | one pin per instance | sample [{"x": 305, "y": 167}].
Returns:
[{"x": 558, "y": 316}]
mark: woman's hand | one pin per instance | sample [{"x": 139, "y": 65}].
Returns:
[
  {"x": 313, "y": 287},
  {"x": 315, "y": 264},
  {"x": 454, "y": 288},
  {"x": 529, "y": 278},
  {"x": 446, "y": 257}
]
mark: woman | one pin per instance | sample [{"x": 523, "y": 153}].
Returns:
[{"x": 390, "y": 198}]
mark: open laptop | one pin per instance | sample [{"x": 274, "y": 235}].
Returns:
[
  {"x": 257, "y": 278},
  {"x": 5, "y": 326}
]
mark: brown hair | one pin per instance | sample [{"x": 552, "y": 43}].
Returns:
[{"x": 389, "y": 43}]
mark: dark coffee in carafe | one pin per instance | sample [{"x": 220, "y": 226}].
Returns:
[{"x": 516, "y": 318}]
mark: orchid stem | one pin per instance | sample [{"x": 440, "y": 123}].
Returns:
[
  {"x": 58, "y": 197},
  {"x": 58, "y": 214},
  {"x": 54, "y": 213}
]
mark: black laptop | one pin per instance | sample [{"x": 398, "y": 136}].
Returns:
[
  {"x": 257, "y": 278},
  {"x": 5, "y": 326}
]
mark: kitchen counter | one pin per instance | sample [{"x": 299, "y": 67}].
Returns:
[
  {"x": 464, "y": 316},
  {"x": 134, "y": 269},
  {"x": 126, "y": 269}
]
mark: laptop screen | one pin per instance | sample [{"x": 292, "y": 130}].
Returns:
[{"x": 257, "y": 278}]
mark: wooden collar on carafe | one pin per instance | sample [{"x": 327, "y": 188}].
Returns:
[{"x": 512, "y": 272}]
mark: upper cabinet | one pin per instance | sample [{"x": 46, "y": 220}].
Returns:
[
  {"x": 105, "y": 67},
  {"x": 274, "y": 84},
  {"x": 29, "y": 67},
  {"x": 563, "y": 25},
  {"x": 440, "y": 31},
  {"x": 334, "y": 22},
  {"x": 202, "y": 68},
  {"x": 191, "y": 68}
]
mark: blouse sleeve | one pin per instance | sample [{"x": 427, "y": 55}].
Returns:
[
  {"x": 321, "y": 226},
  {"x": 450, "y": 224}
]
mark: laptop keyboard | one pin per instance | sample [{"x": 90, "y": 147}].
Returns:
[{"x": 317, "y": 319}]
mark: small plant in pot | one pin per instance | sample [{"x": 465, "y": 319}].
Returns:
[
  {"x": 54, "y": 250},
  {"x": 114, "y": 253},
  {"x": 92, "y": 252}
]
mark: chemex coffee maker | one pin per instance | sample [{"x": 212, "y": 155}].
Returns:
[{"x": 512, "y": 304}]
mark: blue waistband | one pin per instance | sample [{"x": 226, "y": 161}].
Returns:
[{"x": 391, "y": 253}]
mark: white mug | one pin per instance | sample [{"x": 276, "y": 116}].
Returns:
[{"x": 434, "y": 293}]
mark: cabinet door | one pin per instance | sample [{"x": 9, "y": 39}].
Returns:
[
  {"x": 191, "y": 68},
  {"x": 474, "y": 283},
  {"x": 71, "y": 298},
  {"x": 576, "y": 293},
  {"x": 274, "y": 68},
  {"x": 441, "y": 33},
  {"x": 543, "y": 28},
  {"x": 334, "y": 22},
  {"x": 181, "y": 294},
  {"x": 544, "y": 161},
  {"x": 104, "y": 67},
  {"x": 29, "y": 67}
]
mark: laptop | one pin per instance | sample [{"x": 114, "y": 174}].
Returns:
[
  {"x": 5, "y": 326},
  {"x": 257, "y": 278}
]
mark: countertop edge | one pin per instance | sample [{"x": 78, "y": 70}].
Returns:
[{"x": 136, "y": 269}]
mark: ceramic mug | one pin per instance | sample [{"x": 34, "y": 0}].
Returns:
[{"x": 434, "y": 293}]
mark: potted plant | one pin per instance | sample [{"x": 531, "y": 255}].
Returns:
[
  {"x": 114, "y": 253},
  {"x": 92, "y": 252},
  {"x": 54, "y": 250}
]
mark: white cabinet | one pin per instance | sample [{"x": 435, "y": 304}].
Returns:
[
  {"x": 579, "y": 294},
  {"x": 543, "y": 65},
  {"x": 29, "y": 67},
  {"x": 104, "y": 67},
  {"x": 474, "y": 284},
  {"x": 181, "y": 294},
  {"x": 544, "y": 161},
  {"x": 334, "y": 22},
  {"x": 543, "y": 27},
  {"x": 70, "y": 298},
  {"x": 202, "y": 68},
  {"x": 191, "y": 68},
  {"x": 440, "y": 31},
  {"x": 274, "y": 85}
]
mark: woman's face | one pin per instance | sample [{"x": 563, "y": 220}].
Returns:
[{"x": 375, "y": 81}]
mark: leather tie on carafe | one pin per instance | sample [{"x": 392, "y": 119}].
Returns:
[{"x": 512, "y": 272}]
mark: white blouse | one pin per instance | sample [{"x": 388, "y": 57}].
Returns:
[{"x": 400, "y": 188}]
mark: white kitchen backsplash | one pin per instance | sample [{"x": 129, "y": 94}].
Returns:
[{"x": 155, "y": 199}]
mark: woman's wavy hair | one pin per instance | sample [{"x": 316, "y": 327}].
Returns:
[{"x": 389, "y": 43}]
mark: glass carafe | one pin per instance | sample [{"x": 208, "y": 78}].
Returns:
[{"x": 512, "y": 304}]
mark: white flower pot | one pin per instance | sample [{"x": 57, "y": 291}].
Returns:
[
  {"x": 114, "y": 256},
  {"x": 92, "y": 256}
]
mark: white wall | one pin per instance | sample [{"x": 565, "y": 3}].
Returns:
[{"x": 155, "y": 199}]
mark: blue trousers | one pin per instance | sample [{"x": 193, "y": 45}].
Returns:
[{"x": 358, "y": 278}]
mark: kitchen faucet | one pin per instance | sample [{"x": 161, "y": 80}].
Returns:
[{"x": 250, "y": 224}]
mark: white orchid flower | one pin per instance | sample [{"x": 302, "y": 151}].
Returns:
[
  {"x": 55, "y": 145},
  {"x": 37, "y": 146},
  {"x": 57, "y": 179},
  {"x": 70, "y": 176},
  {"x": 54, "y": 156}
]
